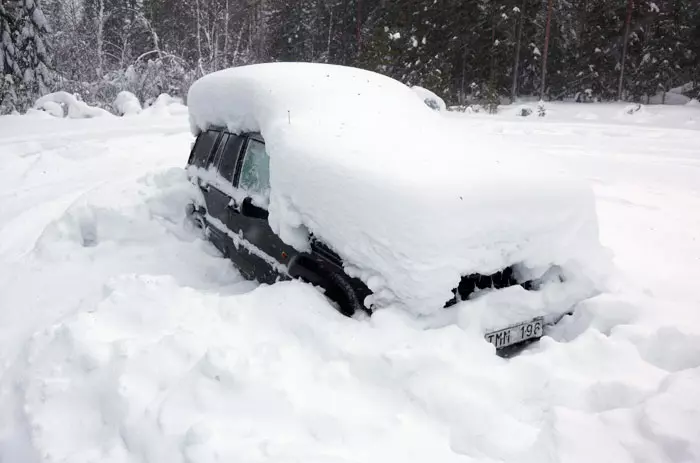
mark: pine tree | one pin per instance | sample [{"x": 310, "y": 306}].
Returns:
[
  {"x": 518, "y": 13},
  {"x": 656, "y": 51},
  {"x": 687, "y": 18},
  {"x": 692, "y": 61},
  {"x": 623, "y": 59},
  {"x": 296, "y": 25},
  {"x": 24, "y": 58},
  {"x": 408, "y": 42},
  {"x": 523, "y": 55},
  {"x": 596, "y": 50}
]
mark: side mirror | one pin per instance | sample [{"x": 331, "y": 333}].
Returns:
[{"x": 248, "y": 209}]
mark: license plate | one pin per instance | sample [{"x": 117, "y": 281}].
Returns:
[{"x": 516, "y": 333}]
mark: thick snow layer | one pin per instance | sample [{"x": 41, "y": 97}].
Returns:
[
  {"x": 360, "y": 162},
  {"x": 75, "y": 109},
  {"x": 127, "y": 104},
  {"x": 126, "y": 339},
  {"x": 53, "y": 108},
  {"x": 670, "y": 98},
  {"x": 166, "y": 105},
  {"x": 620, "y": 115}
]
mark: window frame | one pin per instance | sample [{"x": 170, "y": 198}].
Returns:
[
  {"x": 218, "y": 153},
  {"x": 241, "y": 140}
]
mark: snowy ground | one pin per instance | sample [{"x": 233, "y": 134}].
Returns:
[{"x": 124, "y": 338}]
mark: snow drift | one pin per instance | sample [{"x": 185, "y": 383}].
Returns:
[
  {"x": 360, "y": 162},
  {"x": 127, "y": 104},
  {"x": 53, "y": 103},
  {"x": 125, "y": 339},
  {"x": 165, "y": 105}
]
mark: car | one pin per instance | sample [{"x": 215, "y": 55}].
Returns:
[
  {"x": 340, "y": 209},
  {"x": 239, "y": 229}
]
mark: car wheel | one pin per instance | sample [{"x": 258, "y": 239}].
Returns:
[
  {"x": 341, "y": 293},
  {"x": 335, "y": 287}
]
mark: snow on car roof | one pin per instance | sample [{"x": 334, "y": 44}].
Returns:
[
  {"x": 250, "y": 97},
  {"x": 361, "y": 163}
]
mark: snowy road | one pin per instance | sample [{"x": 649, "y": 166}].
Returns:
[{"x": 123, "y": 338}]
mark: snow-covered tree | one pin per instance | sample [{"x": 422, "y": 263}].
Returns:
[
  {"x": 24, "y": 58},
  {"x": 408, "y": 44},
  {"x": 465, "y": 50}
]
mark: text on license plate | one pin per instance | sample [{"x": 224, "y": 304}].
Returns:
[{"x": 516, "y": 333}]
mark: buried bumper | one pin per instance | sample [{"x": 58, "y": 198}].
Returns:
[{"x": 520, "y": 312}]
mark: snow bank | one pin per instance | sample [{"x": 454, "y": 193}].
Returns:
[
  {"x": 687, "y": 87},
  {"x": 126, "y": 104},
  {"x": 430, "y": 99},
  {"x": 53, "y": 108},
  {"x": 616, "y": 114},
  {"x": 126, "y": 339},
  {"x": 166, "y": 105},
  {"x": 669, "y": 98},
  {"x": 360, "y": 162},
  {"x": 76, "y": 109},
  {"x": 164, "y": 100},
  {"x": 156, "y": 371}
]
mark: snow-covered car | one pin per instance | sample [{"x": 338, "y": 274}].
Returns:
[{"x": 343, "y": 178}]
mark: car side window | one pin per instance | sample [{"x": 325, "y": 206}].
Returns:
[
  {"x": 229, "y": 156},
  {"x": 219, "y": 151},
  {"x": 203, "y": 146},
  {"x": 255, "y": 170}
]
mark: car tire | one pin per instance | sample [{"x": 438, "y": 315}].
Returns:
[
  {"x": 341, "y": 293},
  {"x": 335, "y": 286}
]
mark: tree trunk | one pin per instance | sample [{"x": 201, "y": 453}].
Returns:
[
  {"x": 516, "y": 62},
  {"x": 663, "y": 95},
  {"x": 462, "y": 91},
  {"x": 330, "y": 34},
  {"x": 238, "y": 44},
  {"x": 227, "y": 18},
  {"x": 100, "y": 38},
  {"x": 628, "y": 18},
  {"x": 262, "y": 31},
  {"x": 199, "y": 39},
  {"x": 492, "y": 63},
  {"x": 546, "y": 49},
  {"x": 582, "y": 22},
  {"x": 359, "y": 26}
]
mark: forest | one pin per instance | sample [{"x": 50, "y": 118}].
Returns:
[{"x": 466, "y": 51}]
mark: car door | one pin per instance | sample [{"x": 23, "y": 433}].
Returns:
[
  {"x": 268, "y": 255},
  {"x": 220, "y": 204},
  {"x": 203, "y": 158}
]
